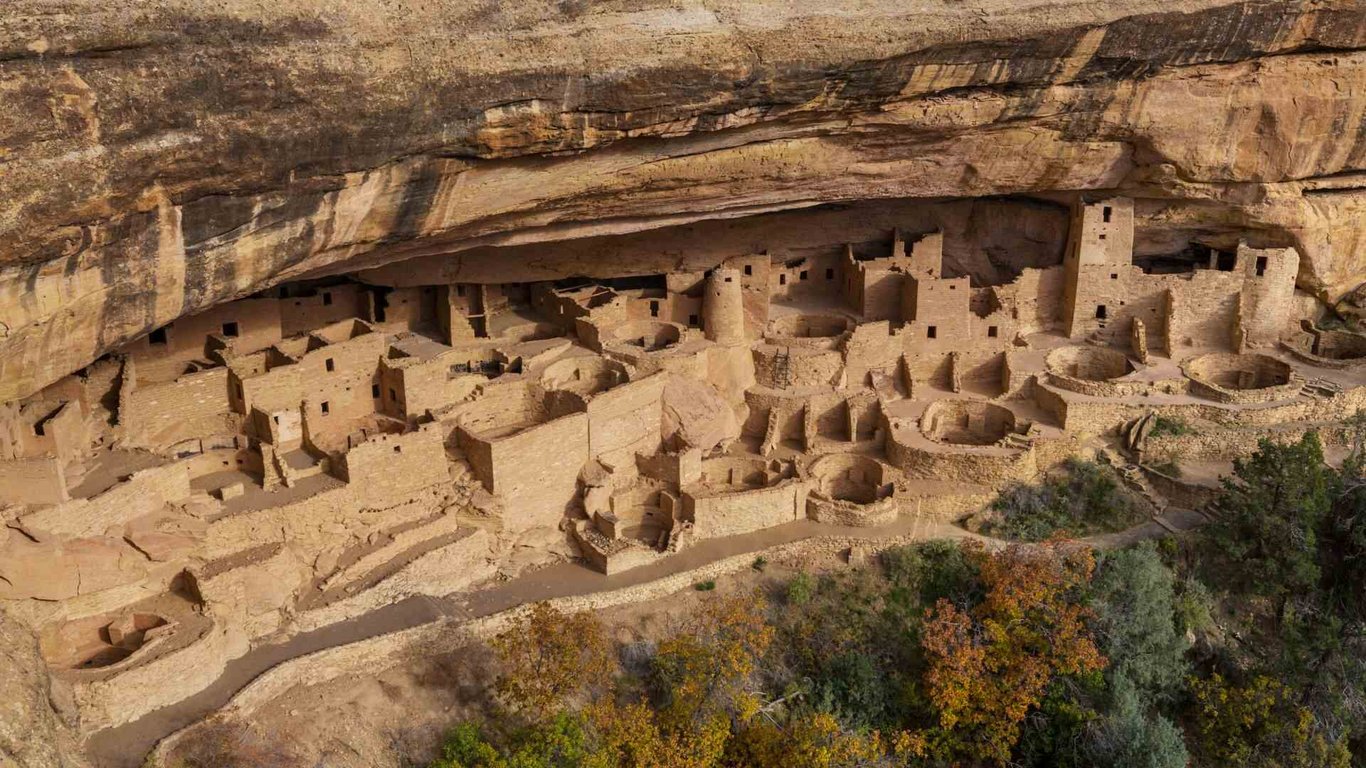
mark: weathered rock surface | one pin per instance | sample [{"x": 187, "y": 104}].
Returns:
[
  {"x": 32, "y": 734},
  {"x": 164, "y": 156}
]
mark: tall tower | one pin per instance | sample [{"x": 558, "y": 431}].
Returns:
[
  {"x": 723, "y": 307},
  {"x": 1099, "y": 258}
]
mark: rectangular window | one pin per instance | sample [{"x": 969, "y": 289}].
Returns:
[
  {"x": 327, "y": 298},
  {"x": 1102, "y": 235},
  {"x": 157, "y": 337},
  {"x": 374, "y": 391},
  {"x": 729, "y": 279},
  {"x": 1100, "y": 311},
  {"x": 229, "y": 329},
  {"x": 782, "y": 279},
  {"x": 991, "y": 331},
  {"x": 932, "y": 332},
  {"x": 1261, "y": 266},
  {"x": 830, "y": 274},
  {"x": 459, "y": 290},
  {"x": 1114, "y": 275},
  {"x": 654, "y": 309},
  {"x": 1105, "y": 214},
  {"x": 749, "y": 270},
  {"x": 326, "y": 410},
  {"x": 393, "y": 395},
  {"x": 692, "y": 319},
  {"x": 398, "y": 449},
  {"x": 331, "y": 366},
  {"x": 38, "y": 430},
  {"x": 803, "y": 275}
]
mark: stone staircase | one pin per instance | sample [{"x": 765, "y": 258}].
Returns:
[
  {"x": 1320, "y": 389},
  {"x": 1133, "y": 478}
]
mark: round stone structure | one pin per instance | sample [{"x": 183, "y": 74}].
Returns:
[
  {"x": 1249, "y": 378},
  {"x": 851, "y": 490},
  {"x": 797, "y": 327},
  {"x": 966, "y": 422}
]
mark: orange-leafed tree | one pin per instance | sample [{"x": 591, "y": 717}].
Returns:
[
  {"x": 988, "y": 664},
  {"x": 548, "y": 656}
]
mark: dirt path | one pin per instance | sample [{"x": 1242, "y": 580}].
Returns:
[{"x": 125, "y": 746}]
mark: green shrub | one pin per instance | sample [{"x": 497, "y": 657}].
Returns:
[
  {"x": 1087, "y": 498},
  {"x": 705, "y": 586},
  {"x": 1167, "y": 425},
  {"x": 759, "y": 564},
  {"x": 800, "y": 588}
]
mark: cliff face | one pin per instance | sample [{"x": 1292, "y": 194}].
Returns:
[
  {"x": 161, "y": 158},
  {"x": 32, "y": 733}
]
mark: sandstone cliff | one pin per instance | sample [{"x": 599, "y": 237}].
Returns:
[
  {"x": 164, "y": 156},
  {"x": 32, "y": 735}
]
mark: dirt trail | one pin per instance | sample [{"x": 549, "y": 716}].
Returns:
[{"x": 125, "y": 746}]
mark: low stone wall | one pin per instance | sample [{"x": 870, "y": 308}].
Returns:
[
  {"x": 742, "y": 511},
  {"x": 1178, "y": 492},
  {"x": 834, "y": 512},
  {"x": 990, "y": 466},
  {"x": 146, "y": 491},
  {"x": 157, "y": 683},
  {"x": 437, "y": 573}
]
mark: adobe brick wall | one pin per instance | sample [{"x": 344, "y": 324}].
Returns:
[
  {"x": 196, "y": 404},
  {"x": 146, "y": 491}
]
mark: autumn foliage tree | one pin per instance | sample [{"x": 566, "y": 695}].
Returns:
[
  {"x": 548, "y": 656},
  {"x": 989, "y": 664}
]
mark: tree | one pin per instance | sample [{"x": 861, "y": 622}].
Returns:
[
  {"x": 988, "y": 666},
  {"x": 1259, "y": 725},
  {"x": 1134, "y": 599},
  {"x": 547, "y": 656},
  {"x": 1265, "y": 541},
  {"x": 1131, "y": 736},
  {"x": 809, "y": 740},
  {"x": 703, "y": 668}
]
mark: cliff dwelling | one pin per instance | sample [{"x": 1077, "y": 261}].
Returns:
[
  {"x": 310, "y": 453},
  {"x": 323, "y": 327}
]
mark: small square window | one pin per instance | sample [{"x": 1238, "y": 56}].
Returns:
[
  {"x": 991, "y": 331},
  {"x": 326, "y": 410},
  {"x": 804, "y": 274},
  {"x": 229, "y": 329},
  {"x": 749, "y": 270},
  {"x": 374, "y": 391},
  {"x": 830, "y": 274},
  {"x": 1100, "y": 311},
  {"x": 331, "y": 366},
  {"x": 459, "y": 290},
  {"x": 398, "y": 449},
  {"x": 1114, "y": 275},
  {"x": 157, "y": 337},
  {"x": 692, "y": 319},
  {"x": 728, "y": 279},
  {"x": 1102, "y": 236},
  {"x": 953, "y": 287},
  {"x": 932, "y": 332},
  {"x": 327, "y": 298}
]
